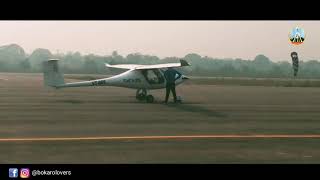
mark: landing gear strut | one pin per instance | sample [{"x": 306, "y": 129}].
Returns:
[{"x": 141, "y": 95}]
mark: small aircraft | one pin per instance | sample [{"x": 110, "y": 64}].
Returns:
[{"x": 139, "y": 77}]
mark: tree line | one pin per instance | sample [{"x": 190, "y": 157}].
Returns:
[{"x": 14, "y": 59}]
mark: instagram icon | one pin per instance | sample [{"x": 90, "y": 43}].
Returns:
[{"x": 24, "y": 173}]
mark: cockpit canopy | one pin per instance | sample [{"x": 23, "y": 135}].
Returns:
[{"x": 153, "y": 76}]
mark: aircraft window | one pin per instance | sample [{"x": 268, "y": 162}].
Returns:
[{"x": 153, "y": 76}]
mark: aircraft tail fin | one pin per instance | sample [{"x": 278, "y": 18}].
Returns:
[{"x": 52, "y": 75}]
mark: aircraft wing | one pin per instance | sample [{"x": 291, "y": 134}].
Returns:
[
  {"x": 155, "y": 66},
  {"x": 160, "y": 66},
  {"x": 124, "y": 66}
]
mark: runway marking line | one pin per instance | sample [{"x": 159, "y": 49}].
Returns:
[{"x": 162, "y": 137}]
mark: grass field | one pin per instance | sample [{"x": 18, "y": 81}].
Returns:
[{"x": 27, "y": 109}]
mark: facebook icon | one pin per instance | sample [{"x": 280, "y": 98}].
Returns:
[{"x": 13, "y": 173}]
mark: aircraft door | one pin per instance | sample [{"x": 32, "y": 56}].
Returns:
[{"x": 153, "y": 76}]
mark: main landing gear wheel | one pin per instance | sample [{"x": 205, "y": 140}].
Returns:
[
  {"x": 141, "y": 94},
  {"x": 149, "y": 99},
  {"x": 179, "y": 99}
]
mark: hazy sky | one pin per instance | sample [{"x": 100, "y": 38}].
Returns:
[{"x": 218, "y": 39}]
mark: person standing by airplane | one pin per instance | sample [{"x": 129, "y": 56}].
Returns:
[{"x": 170, "y": 75}]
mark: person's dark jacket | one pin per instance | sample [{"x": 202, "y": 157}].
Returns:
[{"x": 170, "y": 75}]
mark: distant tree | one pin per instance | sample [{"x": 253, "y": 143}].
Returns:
[
  {"x": 37, "y": 57},
  {"x": 262, "y": 61},
  {"x": 72, "y": 62},
  {"x": 117, "y": 59},
  {"x": 135, "y": 58},
  {"x": 193, "y": 58},
  {"x": 25, "y": 65},
  {"x": 11, "y": 56},
  {"x": 90, "y": 65},
  {"x": 4, "y": 66},
  {"x": 14, "y": 59},
  {"x": 115, "y": 53},
  {"x": 262, "y": 64}
]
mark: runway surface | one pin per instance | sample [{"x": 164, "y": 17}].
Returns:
[
  {"x": 234, "y": 136},
  {"x": 215, "y": 124}
]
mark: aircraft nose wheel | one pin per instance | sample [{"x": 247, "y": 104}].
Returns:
[
  {"x": 141, "y": 94},
  {"x": 149, "y": 99}
]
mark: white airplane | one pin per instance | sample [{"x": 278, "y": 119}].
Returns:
[{"x": 139, "y": 77}]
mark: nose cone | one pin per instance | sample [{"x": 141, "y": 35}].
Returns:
[{"x": 184, "y": 77}]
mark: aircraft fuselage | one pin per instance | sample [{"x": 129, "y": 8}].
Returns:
[{"x": 135, "y": 79}]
